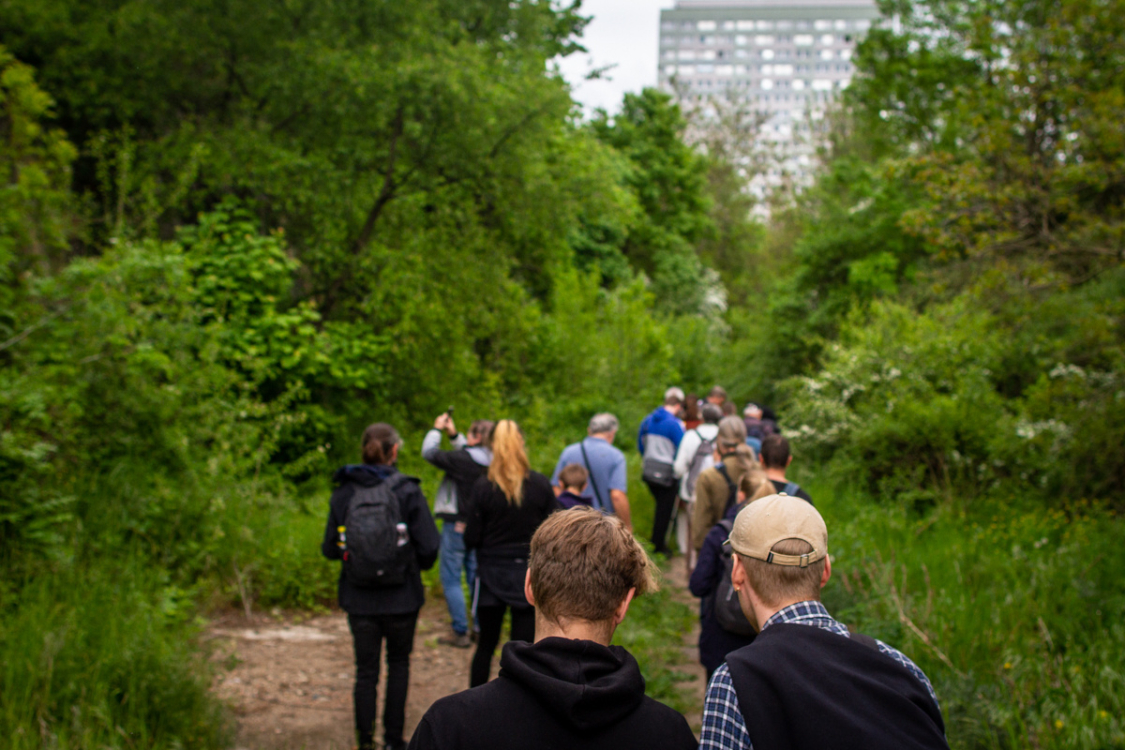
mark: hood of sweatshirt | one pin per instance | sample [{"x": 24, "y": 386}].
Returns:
[
  {"x": 365, "y": 475},
  {"x": 480, "y": 454},
  {"x": 584, "y": 684}
]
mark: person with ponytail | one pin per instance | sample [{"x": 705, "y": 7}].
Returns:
[
  {"x": 358, "y": 525},
  {"x": 505, "y": 508}
]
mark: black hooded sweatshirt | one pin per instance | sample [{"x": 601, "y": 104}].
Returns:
[{"x": 554, "y": 694}]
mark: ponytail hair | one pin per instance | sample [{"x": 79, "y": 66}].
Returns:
[
  {"x": 379, "y": 441},
  {"x": 509, "y": 465},
  {"x": 732, "y": 435}
]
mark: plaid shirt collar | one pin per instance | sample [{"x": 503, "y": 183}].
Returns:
[{"x": 809, "y": 612}]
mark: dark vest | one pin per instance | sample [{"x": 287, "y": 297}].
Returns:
[{"x": 801, "y": 687}]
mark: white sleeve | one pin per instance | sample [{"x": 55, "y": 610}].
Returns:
[{"x": 688, "y": 446}]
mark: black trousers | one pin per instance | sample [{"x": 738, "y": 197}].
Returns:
[
  {"x": 491, "y": 619},
  {"x": 368, "y": 632},
  {"x": 665, "y": 503}
]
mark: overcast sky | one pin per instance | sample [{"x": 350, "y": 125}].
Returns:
[{"x": 624, "y": 33}]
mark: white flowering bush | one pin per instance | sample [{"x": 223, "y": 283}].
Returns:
[{"x": 958, "y": 399}]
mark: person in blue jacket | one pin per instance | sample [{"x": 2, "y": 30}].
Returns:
[{"x": 658, "y": 440}]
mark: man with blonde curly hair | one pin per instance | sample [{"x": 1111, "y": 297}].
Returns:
[{"x": 569, "y": 688}]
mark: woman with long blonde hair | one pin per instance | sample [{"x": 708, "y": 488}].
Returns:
[{"x": 505, "y": 509}]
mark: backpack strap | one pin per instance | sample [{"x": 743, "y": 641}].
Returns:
[
  {"x": 590, "y": 472},
  {"x": 732, "y": 489},
  {"x": 792, "y": 489},
  {"x": 728, "y": 527}
]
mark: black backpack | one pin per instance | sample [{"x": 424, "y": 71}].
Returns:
[
  {"x": 727, "y": 610},
  {"x": 378, "y": 551}
]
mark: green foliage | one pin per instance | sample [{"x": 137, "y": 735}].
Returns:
[
  {"x": 1013, "y": 612},
  {"x": 104, "y": 655}
]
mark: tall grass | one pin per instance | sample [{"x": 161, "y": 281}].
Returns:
[
  {"x": 104, "y": 656},
  {"x": 1015, "y": 611}
]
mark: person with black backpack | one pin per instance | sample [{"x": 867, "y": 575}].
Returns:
[
  {"x": 722, "y": 625},
  {"x": 380, "y": 527}
]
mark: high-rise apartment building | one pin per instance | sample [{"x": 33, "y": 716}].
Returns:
[{"x": 787, "y": 58}]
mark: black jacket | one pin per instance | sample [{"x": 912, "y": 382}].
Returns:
[
  {"x": 501, "y": 533},
  {"x": 555, "y": 694},
  {"x": 801, "y": 687},
  {"x": 393, "y": 600}
]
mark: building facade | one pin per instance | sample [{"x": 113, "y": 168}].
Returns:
[{"x": 786, "y": 58}]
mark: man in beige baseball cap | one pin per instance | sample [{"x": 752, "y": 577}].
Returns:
[{"x": 805, "y": 681}]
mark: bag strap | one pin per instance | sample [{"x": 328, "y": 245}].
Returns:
[
  {"x": 732, "y": 489},
  {"x": 593, "y": 482},
  {"x": 792, "y": 489},
  {"x": 728, "y": 526}
]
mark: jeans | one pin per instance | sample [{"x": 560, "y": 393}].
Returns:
[
  {"x": 368, "y": 632},
  {"x": 491, "y": 619},
  {"x": 454, "y": 559},
  {"x": 665, "y": 502}
]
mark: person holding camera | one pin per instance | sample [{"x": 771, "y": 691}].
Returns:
[{"x": 463, "y": 465}]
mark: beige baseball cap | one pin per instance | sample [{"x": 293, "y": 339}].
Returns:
[{"x": 763, "y": 523}]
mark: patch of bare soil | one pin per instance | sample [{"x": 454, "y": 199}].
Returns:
[
  {"x": 288, "y": 677},
  {"x": 677, "y": 577},
  {"x": 289, "y": 680}
]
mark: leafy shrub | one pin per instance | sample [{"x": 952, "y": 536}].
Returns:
[{"x": 104, "y": 655}]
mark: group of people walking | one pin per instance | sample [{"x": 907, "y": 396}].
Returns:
[{"x": 567, "y": 579}]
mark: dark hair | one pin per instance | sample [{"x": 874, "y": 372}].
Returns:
[
  {"x": 573, "y": 475},
  {"x": 775, "y": 452},
  {"x": 482, "y": 428},
  {"x": 718, "y": 392},
  {"x": 728, "y": 408},
  {"x": 711, "y": 414},
  {"x": 691, "y": 409},
  {"x": 379, "y": 441}
]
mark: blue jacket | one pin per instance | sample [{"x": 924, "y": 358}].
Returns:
[
  {"x": 714, "y": 642},
  {"x": 660, "y": 426}
]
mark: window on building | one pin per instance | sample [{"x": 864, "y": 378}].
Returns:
[
  {"x": 741, "y": 53},
  {"x": 767, "y": 54},
  {"x": 826, "y": 54},
  {"x": 728, "y": 25},
  {"x": 767, "y": 84},
  {"x": 863, "y": 25},
  {"x": 821, "y": 84},
  {"x": 845, "y": 54},
  {"x": 761, "y": 39},
  {"x": 707, "y": 40},
  {"x": 822, "y": 25},
  {"x": 686, "y": 54},
  {"x": 841, "y": 25},
  {"x": 668, "y": 26},
  {"x": 781, "y": 25},
  {"x": 764, "y": 25},
  {"x": 803, "y": 39},
  {"x": 798, "y": 84},
  {"x": 705, "y": 25},
  {"x": 827, "y": 39}
]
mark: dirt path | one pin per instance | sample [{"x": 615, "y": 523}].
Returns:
[{"x": 289, "y": 678}]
